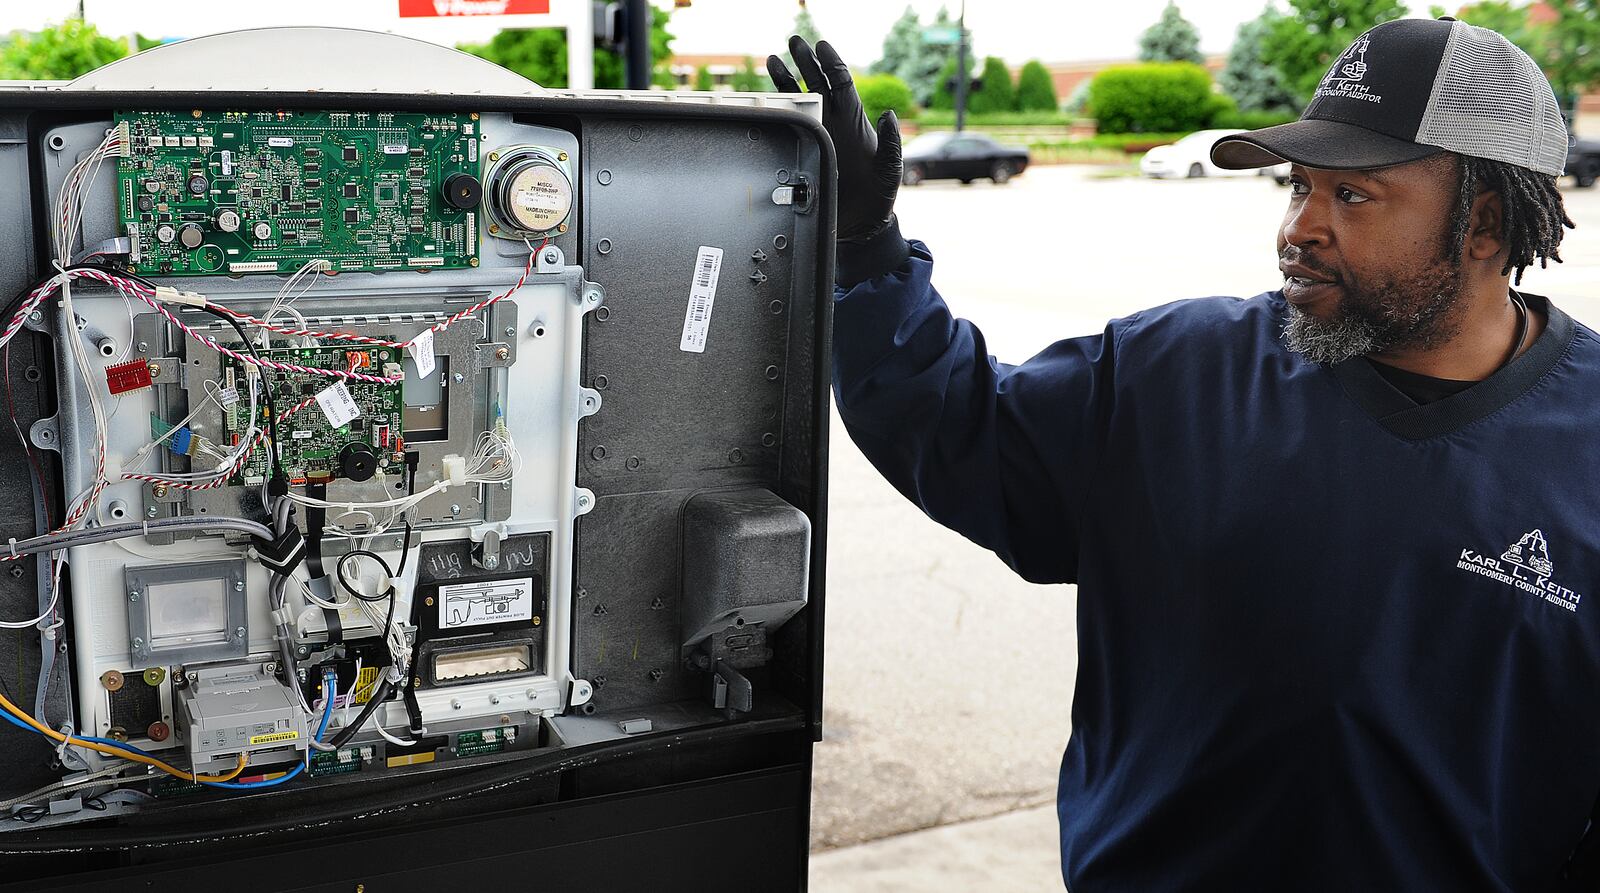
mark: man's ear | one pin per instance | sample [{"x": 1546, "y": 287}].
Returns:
[{"x": 1486, "y": 229}]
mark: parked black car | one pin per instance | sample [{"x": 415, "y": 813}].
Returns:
[
  {"x": 961, "y": 156},
  {"x": 1583, "y": 161}
]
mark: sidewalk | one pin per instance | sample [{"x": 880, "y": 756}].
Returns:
[{"x": 1016, "y": 852}]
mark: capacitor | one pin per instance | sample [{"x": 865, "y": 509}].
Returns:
[
  {"x": 198, "y": 185},
  {"x": 228, "y": 221},
  {"x": 165, "y": 234},
  {"x": 152, "y": 186},
  {"x": 190, "y": 236},
  {"x": 146, "y": 203},
  {"x": 263, "y": 230}
]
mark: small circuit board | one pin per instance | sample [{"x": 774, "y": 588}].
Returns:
[
  {"x": 352, "y": 432},
  {"x": 265, "y": 192}
]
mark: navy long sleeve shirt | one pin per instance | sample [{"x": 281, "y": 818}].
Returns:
[{"x": 1328, "y": 639}]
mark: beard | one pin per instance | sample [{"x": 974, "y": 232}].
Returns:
[{"x": 1405, "y": 311}]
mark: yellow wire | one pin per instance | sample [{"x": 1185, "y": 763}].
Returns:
[{"x": 19, "y": 713}]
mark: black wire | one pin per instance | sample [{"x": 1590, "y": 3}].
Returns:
[
  {"x": 338, "y": 570},
  {"x": 411, "y": 490},
  {"x": 415, "y": 792},
  {"x": 385, "y": 689},
  {"x": 275, "y": 465}
]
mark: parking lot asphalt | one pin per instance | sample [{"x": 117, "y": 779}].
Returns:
[{"x": 948, "y": 679}]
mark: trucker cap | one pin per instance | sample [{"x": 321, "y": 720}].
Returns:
[{"x": 1409, "y": 88}]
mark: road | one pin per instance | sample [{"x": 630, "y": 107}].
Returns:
[{"x": 948, "y": 679}]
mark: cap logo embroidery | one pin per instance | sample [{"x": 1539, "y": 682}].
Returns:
[{"x": 1344, "y": 78}]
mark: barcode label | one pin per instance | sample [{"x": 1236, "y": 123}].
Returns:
[{"x": 702, "y": 295}]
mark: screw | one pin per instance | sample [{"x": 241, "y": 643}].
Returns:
[
  {"x": 510, "y": 331},
  {"x": 159, "y": 491},
  {"x": 417, "y": 682},
  {"x": 138, "y": 644},
  {"x": 458, "y": 378},
  {"x": 536, "y": 621},
  {"x": 238, "y": 632},
  {"x": 495, "y": 700},
  {"x": 155, "y": 370},
  {"x": 583, "y": 502},
  {"x": 491, "y": 562},
  {"x": 502, "y": 353},
  {"x": 238, "y": 585},
  {"x": 551, "y": 257},
  {"x": 455, "y": 703},
  {"x": 655, "y": 675},
  {"x": 143, "y": 346},
  {"x": 455, "y": 509},
  {"x": 494, "y": 156},
  {"x": 428, "y": 601},
  {"x": 150, "y": 512},
  {"x": 657, "y": 604},
  {"x": 562, "y": 157},
  {"x": 302, "y": 651},
  {"x": 133, "y": 596}
]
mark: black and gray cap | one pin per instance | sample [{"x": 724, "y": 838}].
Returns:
[{"x": 1409, "y": 88}]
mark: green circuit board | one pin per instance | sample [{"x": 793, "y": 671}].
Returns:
[
  {"x": 311, "y": 444},
  {"x": 265, "y": 192}
]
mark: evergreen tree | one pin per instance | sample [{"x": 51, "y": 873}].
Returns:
[
  {"x": 997, "y": 93},
  {"x": 1172, "y": 39},
  {"x": 1253, "y": 84},
  {"x": 943, "y": 97},
  {"x": 1302, "y": 45},
  {"x": 748, "y": 80},
  {"x": 806, "y": 28},
  {"x": 1036, "y": 91},
  {"x": 911, "y": 59},
  {"x": 702, "y": 79}
]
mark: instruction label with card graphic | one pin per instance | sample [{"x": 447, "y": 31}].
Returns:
[{"x": 496, "y": 601}]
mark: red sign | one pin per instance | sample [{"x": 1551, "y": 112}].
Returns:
[{"x": 431, "y": 8}]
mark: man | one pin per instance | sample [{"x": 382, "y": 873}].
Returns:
[{"x": 1336, "y": 545}]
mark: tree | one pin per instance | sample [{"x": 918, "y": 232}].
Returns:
[
  {"x": 59, "y": 53},
  {"x": 703, "y": 81},
  {"x": 1253, "y": 84},
  {"x": 1171, "y": 39},
  {"x": 1571, "y": 57},
  {"x": 806, "y": 28},
  {"x": 1302, "y": 45},
  {"x": 540, "y": 55},
  {"x": 1153, "y": 97},
  {"x": 910, "y": 58},
  {"x": 1036, "y": 91},
  {"x": 997, "y": 93},
  {"x": 748, "y": 80},
  {"x": 943, "y": 97},
  {"x": 885, "y": 91}
]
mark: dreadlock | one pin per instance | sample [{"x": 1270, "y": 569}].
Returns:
[{"x": 1532, "y": 218}]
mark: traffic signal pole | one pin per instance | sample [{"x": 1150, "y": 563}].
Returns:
[
  {"x": 961, "y": 68},
  {"x": 637, "y": 43}
]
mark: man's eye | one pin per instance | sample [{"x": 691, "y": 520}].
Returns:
[
  {"x": 1298, "y": 186},
  {"x": 1346, "y": 195}
]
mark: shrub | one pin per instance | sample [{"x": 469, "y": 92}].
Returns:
[
  {"x": 885, "y": 91},
  {"x": 1035, "y": 91},
  {"x": 996, "y": 93},
  {"x": 1155, "y": 96}
]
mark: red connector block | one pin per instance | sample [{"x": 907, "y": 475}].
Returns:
[{"x": 129, "y": 376}]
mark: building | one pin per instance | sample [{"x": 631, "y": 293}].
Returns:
[{"x": 722, "y": 68}]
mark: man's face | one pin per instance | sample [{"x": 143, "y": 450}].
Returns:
[{"x": 1364, "y": 259}]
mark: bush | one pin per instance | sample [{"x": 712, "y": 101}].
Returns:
[
  {"x": 1155, "y": 96},
  {"x": 1035, "y": 91},
  {"x": 885, "y": 91},
  {"x": 947, "y": 118},
  {"x": 996, "y": 94},
  {"x": 1252, "y": 120},
  {"x": 61, "y": 53}
]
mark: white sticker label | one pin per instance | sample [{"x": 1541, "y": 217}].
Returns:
[
  {"x": 392, "y": 149},
  {"x": 301, "y": 434},
  {"x": 702, "y": 294},
  {"x": 280, "y": 142},
  {"x": 422, "y": 352},
  {"x": 475, "y": 604},
  {"x": 338, "y": 405},
  {"x": 227, "y": 396}
]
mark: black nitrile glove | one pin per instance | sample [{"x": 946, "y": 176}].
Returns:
[{"x": 868, "y": 160}]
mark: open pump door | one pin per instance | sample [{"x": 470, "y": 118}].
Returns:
[{"x": 418, "y": 478}]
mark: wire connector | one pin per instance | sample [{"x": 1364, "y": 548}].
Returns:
[
  {"x": 282, "y": 554},
  {"x": 171, "y": 295}
]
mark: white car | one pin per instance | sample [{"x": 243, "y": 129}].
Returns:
[{"x": 1188, "y": 157}]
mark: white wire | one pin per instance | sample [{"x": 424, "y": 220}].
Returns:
[{"x": 55, "y": 598}]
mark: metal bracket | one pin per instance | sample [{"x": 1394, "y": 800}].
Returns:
[
  {"x": 585, "y": 501},
  {"x": 588, "y": 402},
  {"x": 550, "y": 260}
]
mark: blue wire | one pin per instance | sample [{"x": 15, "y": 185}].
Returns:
[
  {"x": 329, "y": 687},
  {"x": 264, "y": 783}
]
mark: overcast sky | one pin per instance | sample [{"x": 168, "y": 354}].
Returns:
[{"x": 1016, "y": 30}]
